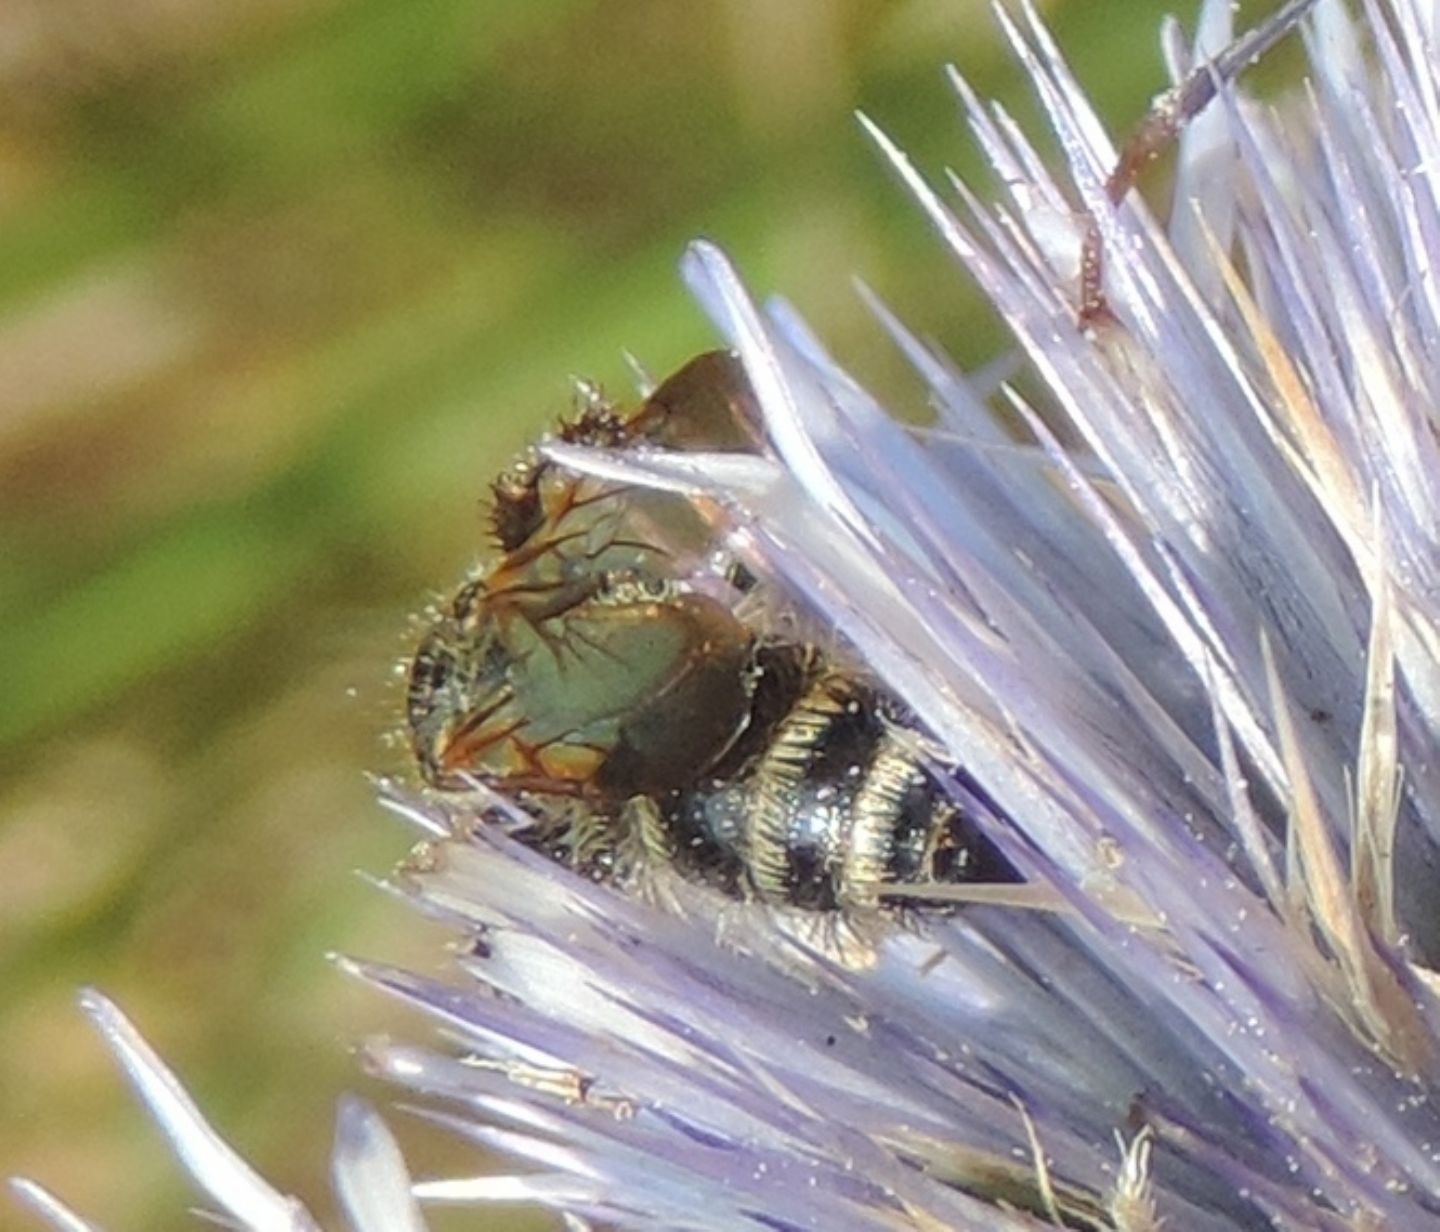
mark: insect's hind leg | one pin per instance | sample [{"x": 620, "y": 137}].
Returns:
[{"x": 1162, "y": 126}]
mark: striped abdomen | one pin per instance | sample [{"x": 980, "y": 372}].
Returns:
[{"x": 824, "y": 802}]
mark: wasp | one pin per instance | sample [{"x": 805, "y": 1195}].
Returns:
[{"x": 642, "y": 721}]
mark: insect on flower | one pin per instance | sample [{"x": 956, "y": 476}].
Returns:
[{"x": 643, "y": 721}]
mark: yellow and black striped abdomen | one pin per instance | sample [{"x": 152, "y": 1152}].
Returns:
[{"x": 824, "y": 803}]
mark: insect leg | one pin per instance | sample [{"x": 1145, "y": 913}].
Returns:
[{"x": 1162, "y": 125}]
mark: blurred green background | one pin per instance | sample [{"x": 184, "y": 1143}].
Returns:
[{"x": 282, "y": 282}]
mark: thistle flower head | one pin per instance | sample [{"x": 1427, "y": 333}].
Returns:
[
  {"x": 1182, "y": 624},
  {"x": 1192, "y": 658}
]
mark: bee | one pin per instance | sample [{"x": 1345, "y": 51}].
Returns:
[{"x": 643, "y": 722}]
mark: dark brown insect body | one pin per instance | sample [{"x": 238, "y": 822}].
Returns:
[{"x": 640, "y": 719}]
